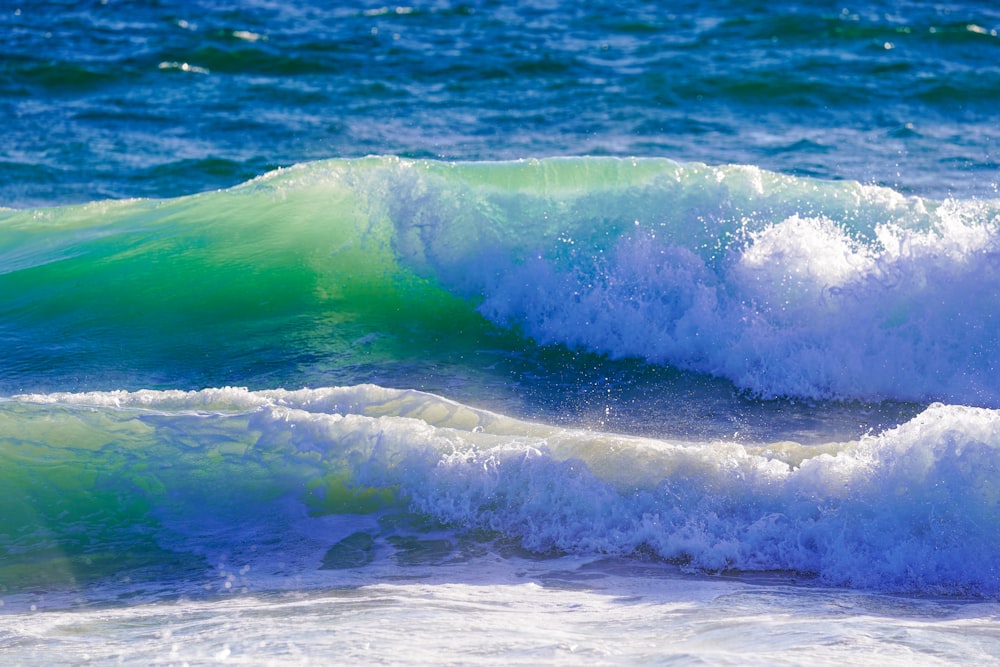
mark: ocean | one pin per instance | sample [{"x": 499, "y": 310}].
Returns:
[{"x": 499, "y": 333}]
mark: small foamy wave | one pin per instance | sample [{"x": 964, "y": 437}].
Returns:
[{"x": 912, "y": 509}]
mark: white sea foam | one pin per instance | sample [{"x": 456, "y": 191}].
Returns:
[
  {"x": 785, "y": 286},
  {"x": 518, "y": 612}
]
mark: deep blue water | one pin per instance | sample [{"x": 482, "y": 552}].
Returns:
[{"x": 157, "y": 99}]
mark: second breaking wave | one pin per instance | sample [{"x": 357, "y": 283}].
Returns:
[{"x": 117, "y": 480}]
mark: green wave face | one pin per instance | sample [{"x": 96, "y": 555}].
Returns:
[
  {"x": 115, "y": 489},
  {"x": 276, "y": 279},
  {"x": 326, "y": 273}
]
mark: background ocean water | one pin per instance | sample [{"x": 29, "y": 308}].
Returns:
[
  {"x": 521, "y": 332},
  {"x": 162, "y": 99}
]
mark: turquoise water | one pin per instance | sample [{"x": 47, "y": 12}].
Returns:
[{"x": 507, "y": 319}]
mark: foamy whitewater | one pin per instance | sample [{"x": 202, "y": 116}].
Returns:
[{"x": 476, "y": 334}]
